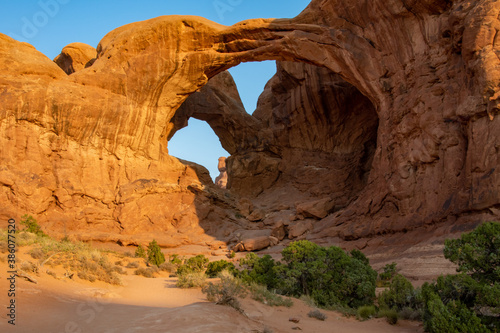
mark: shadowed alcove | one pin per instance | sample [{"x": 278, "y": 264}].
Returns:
[{"x": 313, "y": 135}]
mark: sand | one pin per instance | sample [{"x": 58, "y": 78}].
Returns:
[{"x": 156, "y": 305}]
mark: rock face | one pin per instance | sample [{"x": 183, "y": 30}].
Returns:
[
  {"x": 386, "y": 112},
  {"x": 221, "y": 179},
  {"x": 76, "y": 56}
]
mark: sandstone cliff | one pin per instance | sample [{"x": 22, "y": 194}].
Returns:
[{"x": 388, "y": 119}]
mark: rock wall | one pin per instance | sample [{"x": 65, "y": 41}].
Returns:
[{"x": 399, "y": 130}]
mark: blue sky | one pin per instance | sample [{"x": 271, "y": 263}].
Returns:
[{"x": 49, "y": 25}]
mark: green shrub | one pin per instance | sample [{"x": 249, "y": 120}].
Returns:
[
  {"x": 198, "y": 263},
  {"x": 388, "y": 273},
  {"x": 329, "y": 275},
  {"x": 193, "y": 265},
  {"x": 477, "y": 253},
  {"x": 31, "y": 225},
  {"x": 191, "y": 280},
  {"x": 366, "y": 312},
  {"x": 453, "y": 317},
  {"x": 140, "y": 252},
  {"x": 215, "y": 267},
  {"x": 410, "y": 314},
  {"x": 317, "y": 315},
  {"x": 400, "y": 294},
  {"x": 259, "y": 270},
  {"x": 174, "y": 259},
  {"x": 391, "y": 315},
  {"x": 155, "y": 256},
  {"x": 468, "y": 301},
  {"x": 226, "y": 292}
]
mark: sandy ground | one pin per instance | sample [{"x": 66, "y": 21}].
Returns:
[
  {"x": 156, "y": 305},
  {"x": 63, "y": 305}
]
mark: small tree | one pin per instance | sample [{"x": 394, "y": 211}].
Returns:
[
  {"x": 140, "y": 252},
  {"x": 468, "y": 301},
  {"x": 259, "y": 270},
  {"x": 31, "y": 225},
  {"x": 400, "y": 294},
  {"x": 328, "y": 274},
  {"x": 155, "y": 256},
  {"x": 477, "y": 253},
  {"x": 388, "y": 273}
]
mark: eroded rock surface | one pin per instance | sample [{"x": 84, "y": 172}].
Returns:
[
  {"x": 221, "y": 179},
  {"x": 76, "y": 56},
  {"x": 389, "y": 111}
]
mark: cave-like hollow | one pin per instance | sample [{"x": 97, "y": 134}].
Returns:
[{"x": 313, "y": 135}]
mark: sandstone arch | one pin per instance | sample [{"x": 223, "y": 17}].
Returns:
[{"x": 429, "y": 68}]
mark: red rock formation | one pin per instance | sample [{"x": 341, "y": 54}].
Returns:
[
  {"x": 420, "y": 78},
  {"x": 221, "y": 179},
  {"x": 76, "y": 56}
]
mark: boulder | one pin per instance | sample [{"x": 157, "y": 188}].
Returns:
[
  {"x": 279, "y": 231},
  {"x": 298, "y": 228},
  {"x": 256, "y": 215},
  {"x": 256, "y": 244},
  {"x": 316, "y": 208}
]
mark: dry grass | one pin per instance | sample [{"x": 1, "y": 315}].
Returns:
[
  {"x": 88, "y": 263},
  {"x": 147, "y": 272},
  {"x": 261, "y": 294},
  {"x": 134, "y": 264},
  {"x": 226, "y": 292},
  {"x": 29, "y": 267},
  {"x": 168, "y": 267},
  {"x": 317, "y": 314},
  {"x": 192, "y": 280}
]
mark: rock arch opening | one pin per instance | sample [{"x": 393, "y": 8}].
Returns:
[
  {"x": 312, "y": 135},
  {"x": 251, "y": 79},
  {"x": 197, "y": 143},
  {"x": 233, "y": 92}
]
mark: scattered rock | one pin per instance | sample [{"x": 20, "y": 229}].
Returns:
[
  {"x": 256, "y": 244},
  {"x": 273, "y": 241},
  {"x": 284, "y": 216},
  {"x": 316, "y": 208},
  {"x": 279, "y": 231},
  {"x": 298, "y": 228},
  {"x": 245, "y": 207},
  {"x": 239, "y": 248},
  {"x": 257, "y": 215}
]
